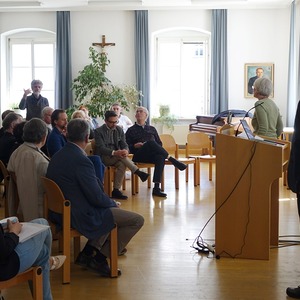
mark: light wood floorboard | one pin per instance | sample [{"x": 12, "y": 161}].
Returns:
[{"x": 160, "y": 263}]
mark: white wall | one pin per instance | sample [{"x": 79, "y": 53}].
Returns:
[
  {"x": 258, "y": 36},
  {"x": 253, "y": 36}
]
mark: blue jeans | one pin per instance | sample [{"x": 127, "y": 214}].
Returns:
[{"x": 36, "y": 252}]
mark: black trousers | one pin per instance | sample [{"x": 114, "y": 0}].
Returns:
[{"x": 151, "y": 152}]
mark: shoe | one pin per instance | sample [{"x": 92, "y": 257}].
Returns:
[
  {"x": 293, "y": 292},
  {"x": 57, "y": 262},
  {"x": 157, "y": 192},
  {"x": 83, "y": 259},
  {"x": 143, "y": 176},
  {"x": 123, "y": 252},
  {"x": 118, "y": 194},
  {"x": 101, "y": 268},
  {"x": 177, "y": 164}
]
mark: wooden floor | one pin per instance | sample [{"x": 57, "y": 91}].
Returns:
[{"x": 160, "y": 263}]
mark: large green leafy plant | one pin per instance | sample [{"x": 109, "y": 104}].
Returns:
[{"x": 94, "y": 90}]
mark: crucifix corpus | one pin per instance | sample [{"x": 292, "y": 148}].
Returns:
[{"x": 103, "y": 44}]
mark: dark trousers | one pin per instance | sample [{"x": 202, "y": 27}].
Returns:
[{"x": 151, "y": 152}]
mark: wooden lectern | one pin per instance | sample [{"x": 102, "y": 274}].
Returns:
[{"x": 247, "y": 194}]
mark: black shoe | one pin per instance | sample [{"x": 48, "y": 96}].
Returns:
[
  {"x": 293, "y": 292},
  {"x": 123, "y": 252},
  {"x": 143, "y": 176},
  {"x": 157, "y": 192},
  {"x": 118, "y": 194},
  {"x": 177, "y": 164},
  {"x": 83, "y": 259},
  {"x": 101, "y": 268}
]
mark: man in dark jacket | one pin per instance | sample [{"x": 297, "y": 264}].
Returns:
[{"x": 93, "y": 213}]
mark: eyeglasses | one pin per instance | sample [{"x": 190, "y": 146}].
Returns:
[{"x": 113, "y": 122}]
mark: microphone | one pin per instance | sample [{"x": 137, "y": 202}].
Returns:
[{"x": 246, "y": 115}]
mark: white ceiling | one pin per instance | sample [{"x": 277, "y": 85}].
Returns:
[{"x": 53, "y": 5}]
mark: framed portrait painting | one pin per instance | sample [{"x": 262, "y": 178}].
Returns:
[{"x": 254, "y": 71}]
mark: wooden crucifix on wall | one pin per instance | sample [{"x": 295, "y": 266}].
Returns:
[{"x": 103, "y": 44}]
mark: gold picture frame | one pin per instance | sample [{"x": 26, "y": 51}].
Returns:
[{"x": 251, "y": 72}]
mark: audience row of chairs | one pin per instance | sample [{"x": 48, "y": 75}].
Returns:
[{"x": 197, "y": 149}]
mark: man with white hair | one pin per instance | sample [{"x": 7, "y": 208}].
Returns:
[
  {"x": 35, "y": 102},
  {"x": 145, "y": 145}
]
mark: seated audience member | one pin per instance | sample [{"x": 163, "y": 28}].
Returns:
[
  {"x": 94, "y": 214},
  {"x": 35, "y": 102},
  {"x": 81, "y": 115},
  {"x": 146, "y": 146},
  {"x": 18, "y": 134},
  {"x": 97, "y": 162},
  {"x": 46, "y": 117},
  {"x": 7, "y": 141},
  {"x": 3, "y": 115},
  {"x": 29, "y": 163},
  {"x": 92, "y": 121},
  {"x": 17, "y": 257},
  {"x": 113, "y": 149},
  {"x": 124, "y": 121},
  {"x": 57, "y": 138}
]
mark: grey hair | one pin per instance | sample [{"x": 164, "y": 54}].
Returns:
[
  {"x": 46, "y": 110},
  {"x": 263, "y": 86},
  {"x": 34, "y": 131},
  {"x": 77, "y": 130},
  {"x": 36, "y": 81},
  {"x": 145, "y": 110}
]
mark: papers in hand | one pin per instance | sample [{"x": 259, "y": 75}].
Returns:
[{"x": 29, "y": 229}]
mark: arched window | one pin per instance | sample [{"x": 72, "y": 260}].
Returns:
[{"x": 30, "y": 54}]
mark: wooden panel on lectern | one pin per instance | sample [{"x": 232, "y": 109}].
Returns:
[{"x": 245, "y": 171}]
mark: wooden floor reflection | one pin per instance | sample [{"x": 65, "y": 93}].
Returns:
[{"x": 160, "y": 263}]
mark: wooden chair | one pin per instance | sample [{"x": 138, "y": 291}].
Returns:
[
  {"x": 56, "y": 202},
  {"x": 172, "y": 148},
  {"x": 197, "y": 144},
  {"x": 34, "y": 274},
  {"x": 135, "y": 179},
  {"x": 5, "y": 175}
]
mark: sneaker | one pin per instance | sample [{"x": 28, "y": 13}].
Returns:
[
  {"x": 57, "y": 262},
  {"x": 117, "y": 194},
  {"x": 143, "y": 176},
  {"x": 157, "y": 192}
]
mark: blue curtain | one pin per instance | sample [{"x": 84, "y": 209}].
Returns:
[
  {"x": 219, "y": 63},
  {"x": 142, "y": 71},
  {"x": 292, "y": 93},
  {"x": 63, "y": 78}
]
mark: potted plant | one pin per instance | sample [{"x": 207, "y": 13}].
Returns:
[
  {"x": 94, "y": 90},
  {"x": 165, "y": 118}
]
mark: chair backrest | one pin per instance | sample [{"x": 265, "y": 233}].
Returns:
[
  {"x": 197, "y": 142},
  {"x": 88, "y": 149},
  {"x": 169, "y": 144},
  {"x": 54, "y": 200}
]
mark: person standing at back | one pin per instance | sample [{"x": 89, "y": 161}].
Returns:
[
  {"x": 35, "y": 102},
  {"x": 124, "y": 121},
  {"x": 266, "y": 120}
]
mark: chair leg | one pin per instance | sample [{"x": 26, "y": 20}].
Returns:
[
  {"x": 210, "y": 171},
  {"x": 162, "y": 185},
  {"x": 37, "y": 284},
  {"x": 176, "y": 178},
  {"x": 149, "y": 178},
  {"x": 114, "y": 252}
]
